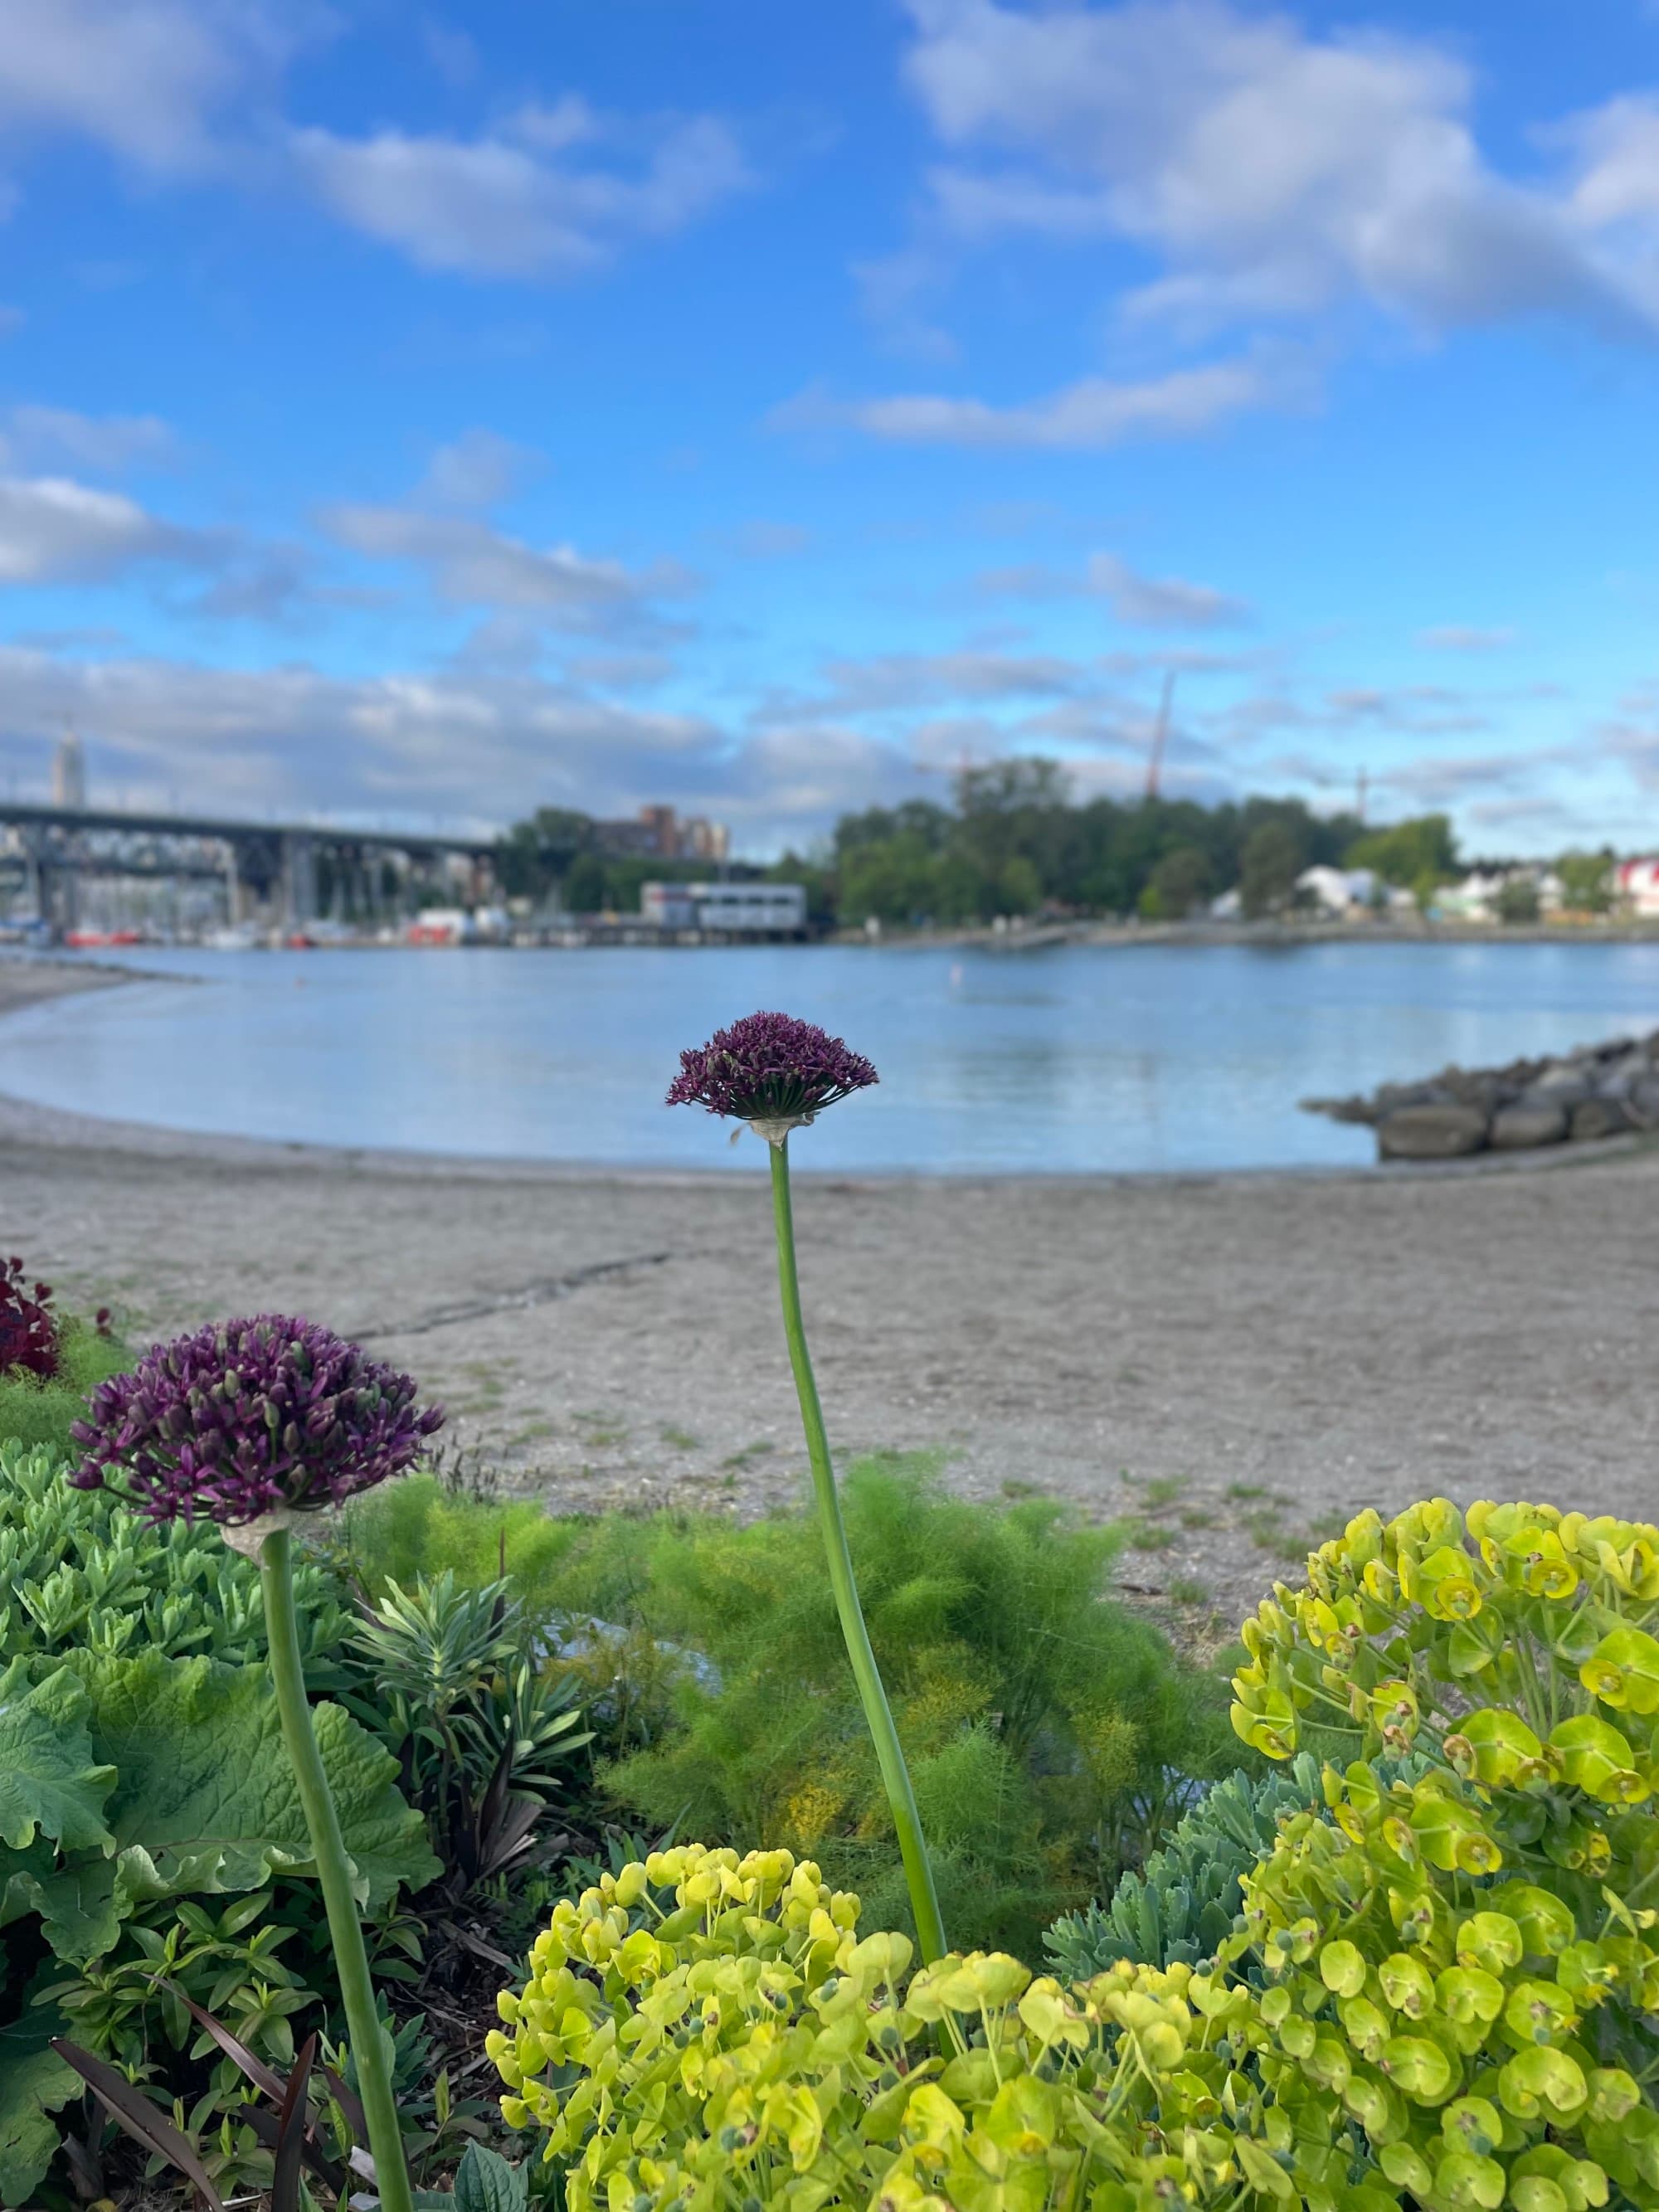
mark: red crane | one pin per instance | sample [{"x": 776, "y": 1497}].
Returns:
[{"x": 1160, "y": 736}]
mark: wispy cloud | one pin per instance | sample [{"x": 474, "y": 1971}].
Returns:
[
  {"x": 550, "y": 192},
  {"x": 470, "y": 564},
  {"x": 1462, "y": 637},
  {"x": 1091, "y": 415}
]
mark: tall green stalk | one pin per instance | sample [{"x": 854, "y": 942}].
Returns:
[
  {"x": 895, "y": 1774},
  {"x": 333, "y": 1872}
]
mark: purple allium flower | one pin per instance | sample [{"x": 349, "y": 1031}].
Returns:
[
  {"x": 247, "y": 1417},
  {"x": 769, "y": 1067}
]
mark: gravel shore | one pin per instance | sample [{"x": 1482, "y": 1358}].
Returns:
[{"x": 1237, "y": 1361}]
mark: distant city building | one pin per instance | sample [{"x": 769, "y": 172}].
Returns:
[
  {"x": 658, "y": 833},
  {"x": 69, "y": 772},
  {"x": 735, "y": 909},
  {"x": 1635, "y": 885}
]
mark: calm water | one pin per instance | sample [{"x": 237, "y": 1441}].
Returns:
[{"x": 1074, "y": 1059}]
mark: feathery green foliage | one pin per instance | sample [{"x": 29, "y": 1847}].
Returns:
[
  {"x": 37, "y": 1412},
  {"x": 1045, "y": 1726}
]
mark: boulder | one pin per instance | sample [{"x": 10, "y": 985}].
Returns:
[
  {"x": 1431, "y": 1133},
  {"x": 1598, "y": 1117},
  {"x": 1516, "y": 1127},
  {"x": 1562, "y": 1093},
  {"x": 1562, "y": 1075},
  {"x": 1642, "y": 1103}
]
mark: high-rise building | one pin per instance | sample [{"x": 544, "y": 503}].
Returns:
[{"x": 69, "y": 772}]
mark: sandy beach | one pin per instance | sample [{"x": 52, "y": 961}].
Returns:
[{"x": 1239, "y": 1360}]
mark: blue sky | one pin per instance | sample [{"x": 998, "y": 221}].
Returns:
[{"x": 419, "y": 414}]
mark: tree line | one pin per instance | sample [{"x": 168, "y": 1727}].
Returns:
[{"x": 1016, "y": 841}]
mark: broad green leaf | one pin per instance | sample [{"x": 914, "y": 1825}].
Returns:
[
  {"x": 205, "y": 1798},
  {"x": 34, "y": 2083},
  {"x": 49, "y": 1780},
  {"x": 486, "y": 2182}
]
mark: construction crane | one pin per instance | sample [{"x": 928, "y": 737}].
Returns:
[{"x": 1160, "y": 736}]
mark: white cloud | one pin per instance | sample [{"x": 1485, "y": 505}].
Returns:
[
  {"x": 1274, "y": 171},
  {"x": 1091, "y": 415},
  {"x": 148, "y": 80},
  {"x": 54, "y": 530},
  {"x": 477, "y": 469},
  {"x": 284, "y": 736},
  {"x": 885, "y": 681},
  {"x": 1162, "y": 602},
  {"x": 33, "y": 437},
  {"x": 1146, "y": 602},
  {"x": 532, "y": 198},
  {"x": 472, "y": 565},
  {"x": 1464, "y": 637}
]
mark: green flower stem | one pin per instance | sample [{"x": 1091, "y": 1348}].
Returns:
[
  {"x": 333, "y": 1871},
  {"x": 895, "y": 1774}
]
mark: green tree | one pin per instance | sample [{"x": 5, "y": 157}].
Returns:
[
  {"x": 1179, "y": 883},
  {"x": 1268, "y": 867},
  {"x": 1423, "y": 846},
  {"x": 1517, "y": 901},
  {"x": 1586, "y": 881},
  {"x": 585, "y": 883}
]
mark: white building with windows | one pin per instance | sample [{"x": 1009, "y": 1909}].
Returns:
[{"x": 734, "y": 909}]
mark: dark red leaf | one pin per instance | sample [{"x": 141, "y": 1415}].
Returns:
[{"x": 134, "y": 2111}]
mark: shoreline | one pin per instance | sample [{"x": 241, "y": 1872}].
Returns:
[{"x": 1236, "y": 1362}]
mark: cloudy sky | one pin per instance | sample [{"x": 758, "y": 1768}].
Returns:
[{"x": 420, "y": 413}]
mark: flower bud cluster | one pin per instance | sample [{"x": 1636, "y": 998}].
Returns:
[
  {"x": 705, "y": 2030},
  {"x": 1483, "y": 2033},
  {"x": 771, "y": 1068},
  {"x": 1516, "y": 1645},
  {"x": 249, "y": 1418}
]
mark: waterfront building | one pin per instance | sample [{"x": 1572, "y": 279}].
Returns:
[
  {"x": 733, "y": 910},
  {"x": 1635, "y": 885}
]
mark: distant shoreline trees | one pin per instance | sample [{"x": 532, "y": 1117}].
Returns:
[{"x": 1016, "y": 841}]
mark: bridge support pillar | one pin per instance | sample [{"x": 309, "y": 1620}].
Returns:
[{"x": 299, "y": 878}]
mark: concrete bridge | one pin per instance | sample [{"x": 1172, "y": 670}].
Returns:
[{"x": 278, "y": 870}]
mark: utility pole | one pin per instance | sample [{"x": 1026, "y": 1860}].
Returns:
[{"x": 1160, "y": 736}]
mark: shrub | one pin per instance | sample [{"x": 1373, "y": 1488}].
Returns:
[
  {"x": 133, "y": 1779},
  {"x": 1495, "y": 1914},
  {"x": 1443, "y": 1992},
  {"x": 80, "y": 1572},
  {"x": 449, "y": 1678},
  {"x": 1048, "y": 1729},
  {"x": 1179, "y": 1907},
  {"x": 705, "y": 2031}
]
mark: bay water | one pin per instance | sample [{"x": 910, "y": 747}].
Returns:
[{"x": 1070, "y": 1060}]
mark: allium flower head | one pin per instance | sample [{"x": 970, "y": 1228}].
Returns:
[
  {"x": 769, "y": 1069},
  {"x": 246, "y": 1418}
]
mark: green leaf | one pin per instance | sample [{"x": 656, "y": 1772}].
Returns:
[
  {"x": 49, "y": 1781},
  {"x": 486, "y": 2182},
  {"x": 34, "y": 2083},
  {"x": 205, "y": 1798}
]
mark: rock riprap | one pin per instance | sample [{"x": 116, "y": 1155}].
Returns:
[{"x": 1591, "y": 1093}]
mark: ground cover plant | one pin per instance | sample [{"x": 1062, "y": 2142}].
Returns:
[
  {"x": 1049, "y": 1728},
  {"x": 1442, "y": 1994}
]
